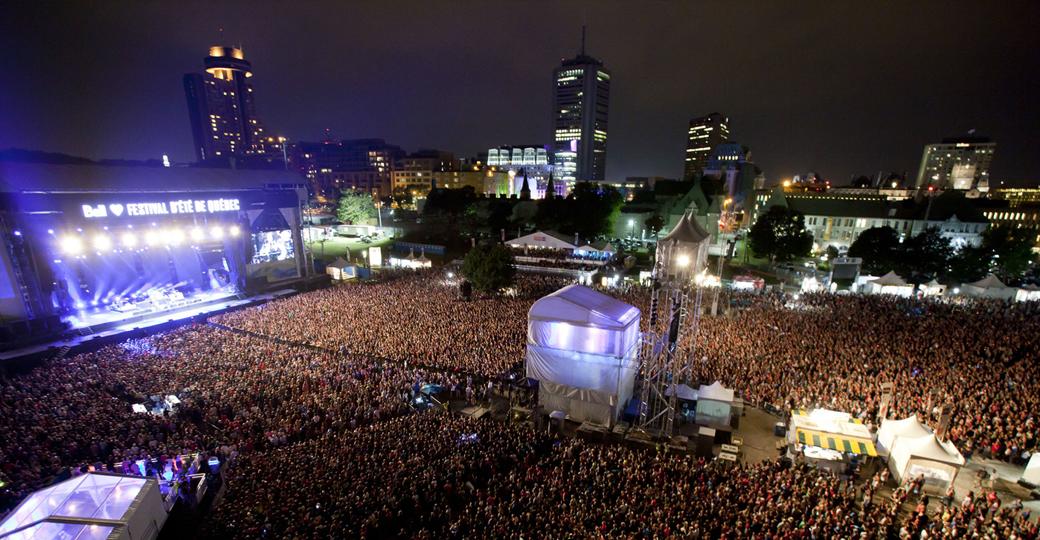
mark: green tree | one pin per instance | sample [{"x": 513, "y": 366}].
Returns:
[
  {"x": 924, "y": 256},
  {"x": 356, "y": 207},
  {"x": 970, "y": 264},
  {"x": 878, "y": 247},
  {"x": 1009, "y": 251},
  {"x": 654, "y": 224},
  {"x": 780, "y": 235},
  {"x": 489, "y": 267}
]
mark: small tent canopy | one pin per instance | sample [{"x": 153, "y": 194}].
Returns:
[
  {"x": 340, "y": 263},
  {"x": 340, "y": 269},
  {"x": 890, "y": 283},
  {"x": 582, "y": 348},
  {"x": 1027, "y": 293},
  {"x": 542, "y": 239},
  {"x": 892, "y": 429},
  {"x": 682, "y": 391},
  {"x": 939, "y": 462},
  {"x": 716, "y": 392},
  {"x": 933, "y": 288},
  {"x": 989, "y": 287},
  {"x": 93, "y": 506}
]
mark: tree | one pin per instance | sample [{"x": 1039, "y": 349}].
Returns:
[
  {"x": 654, "y": 224},
  {"x": 489, "y": 267},
  {"x": 1009, "y": 251},
  {"x": 878, "y": 247},
  {"x": 355, "y": 207},
  {"x": 780, "y": 235},
  {"x": 924, "y": 256},
  {"x": 970, "y": 264}
]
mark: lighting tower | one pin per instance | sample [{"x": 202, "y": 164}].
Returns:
[{"x": 665, "y": 357}]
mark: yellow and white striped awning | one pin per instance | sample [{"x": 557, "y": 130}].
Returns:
[{"x": 834, "y": 441}]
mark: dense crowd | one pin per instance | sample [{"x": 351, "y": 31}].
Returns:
[
  {"x": 238, "y": 394},
  {"x": 980, "y": 361},
  {"x": 307, "y": 398},
  {"x": 416, "y": 318}
]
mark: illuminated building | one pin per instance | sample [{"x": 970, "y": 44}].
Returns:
[
  {"x": 957, "y": 163},
  {"x": 705, "y": 133},
  {"x": 581, "y": 98},
  {"x": 96, "y": 245},
  {"x": 414, "y": 172},
  {"x": 222, "y": 110},
  {"x": 362, "y": 164},
  {"x": 533, "y": 161}
]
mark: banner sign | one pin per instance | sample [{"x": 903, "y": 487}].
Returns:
[{"x": 162, "y": 208}]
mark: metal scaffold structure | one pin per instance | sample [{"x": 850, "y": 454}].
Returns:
[{"x": 666, "y": 349}]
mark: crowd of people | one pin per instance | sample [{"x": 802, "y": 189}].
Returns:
[
  {"x": 309, "y": 399},
  {"x": 415, "y": 318},
  {"x": 237, "y": 393}
]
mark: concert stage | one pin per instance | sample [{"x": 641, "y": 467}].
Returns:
[{"x": 123, "y": 328}]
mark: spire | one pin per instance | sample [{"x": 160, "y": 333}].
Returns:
[
  {"x": 550, "y": 188},
  {"x": 525, "y": 190}
]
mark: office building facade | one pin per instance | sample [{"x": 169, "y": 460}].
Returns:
[
  {"x": 703, "y": 136},
  {"x": 531, "y": 160},
  {"x": 362, "y": 164},
  {"x": 581, "y": 100},
  {"x": 957, "y": 163}
]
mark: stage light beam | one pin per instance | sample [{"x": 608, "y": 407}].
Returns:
[
  {"x": 102, "y": 242},
  {"x": 151, "y": 238},
  {"x": 217, "y": 232},
  {"x": 71, "y": 245},
  {"x": 129, "y": 240},
  {"x": 197, "y": 235},
  {"x": 234, "y": 231}
]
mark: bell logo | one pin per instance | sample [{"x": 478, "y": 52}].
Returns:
[
  {"x": 98, "y": 211},
  {"x": 116, "y": 209}
]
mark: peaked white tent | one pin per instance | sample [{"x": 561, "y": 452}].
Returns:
[
  {"x": 340, "y": 269},
  {"x": 1027, "y": 293},
  {"x": 939, "y": 462},
  {"x": 892, "y": 430},
  {"x": 989, "y": 287},
  {"x": 890, "y": 283},
  {"x": 543, "y": 240},
  {"x": 582, "y": 348},
  {"x": 93, "y": 506},
  {"x": 715, "y": 405}
]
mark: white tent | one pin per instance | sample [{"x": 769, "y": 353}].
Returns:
[
  {"x": 939, "y": 462},
  {"x": 93, "y": 506},
  {"x": 542, "y": 240},
  {"x": 1032, "y": 473},
  {"x": 582, "y": 348},
  {"x": 892, "y": 429},
  {"x": 1027, "y": 293},
  {"x": 989, "y": 287},
  {"x": 340, "y": 269},
  {"x": 933, "y": 288},
  {"x": 715, "y": 405},
  {"x": 890, "y": 283}
]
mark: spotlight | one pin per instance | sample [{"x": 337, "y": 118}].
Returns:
[
  {"x": 197, "y": 235},
  {"x": 18, "y": 233},
  {"x": 129, "y": 240},
  {"x": 682, "y": 260},
  {"x": 217, "y": 232},
  {"x": 234, "y": 230},
  {"x": 151, "y": 238},
  {"x": 71, "y": 245},
  {"x": 172, "y": 237},
  {"x": 102, "y": 242}
]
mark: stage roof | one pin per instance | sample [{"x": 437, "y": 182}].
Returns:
[
  {"x": 96, "y": 502},
  {"x": 16, "y": 177},
  {"x": 583, "y": 306}
]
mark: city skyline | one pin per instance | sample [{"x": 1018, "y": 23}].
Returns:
[{"x": 836, "y": 104}]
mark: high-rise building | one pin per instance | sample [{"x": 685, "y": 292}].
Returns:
[
  {"x": 222, "y": 110},
  {"x": 705, "y": 133},
  {"x": 581, "y": 97},
  {"x": 957, "y": 163}
]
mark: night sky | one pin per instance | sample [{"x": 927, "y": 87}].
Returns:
[{"x": 839, "y": 88}]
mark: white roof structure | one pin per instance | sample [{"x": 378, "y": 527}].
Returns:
[
  {"x": 715, "y": 392},
  {"x": 94, "y": 506},
  {"x": 892, "y": 429},
  {"x": 542, "y": 239},
  {"x": 339, "y": 263},
  {"x": 890, "y": 279},
  {"x": 688, "y": 229},
  {"x": 938, "y": 462},
  {"x": 582, "y": 306},
  {"x": 989, "y": 287}
]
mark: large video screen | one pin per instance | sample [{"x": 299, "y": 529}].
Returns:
[
  {"x": 713, "y": 413},
  {"x": 272, "y": 246}
]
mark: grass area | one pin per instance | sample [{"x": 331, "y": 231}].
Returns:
[{"x": 339, "y": 246}]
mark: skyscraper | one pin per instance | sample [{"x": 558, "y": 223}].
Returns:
[
  {"x": 957, "y": 163},
  {"x": 581, "y": 96},
  {"x": 705, "y": 133},
  {"x": 222, "y": 110}
]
